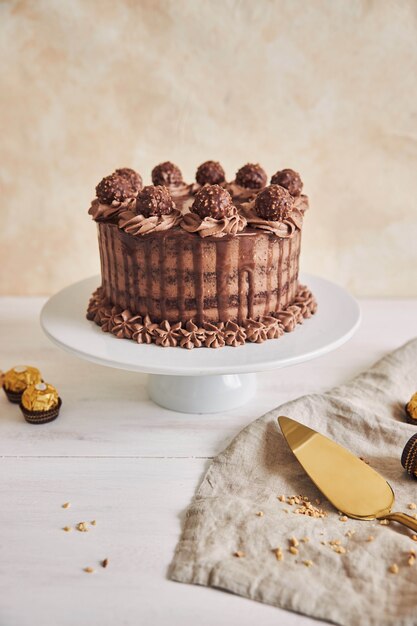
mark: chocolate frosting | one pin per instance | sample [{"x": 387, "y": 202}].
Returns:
[
  {"x": 102, "y": 212},
  {"x": 138, "y": 225},
  {"x": 285, "y": 228},
  {"x": 126, "y": 325},
  {"x": 212, "y": 227}
]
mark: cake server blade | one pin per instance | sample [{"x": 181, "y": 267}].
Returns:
[{"x": 347, "y": 482}]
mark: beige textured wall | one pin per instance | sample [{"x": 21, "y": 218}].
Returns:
[{"x": 326, "y": 87}]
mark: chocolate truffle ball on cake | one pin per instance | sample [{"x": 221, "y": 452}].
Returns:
[
  {"x": 213, "y": 201},
  {"x": 210, "y": 173},
  {"x": 291, "y": 180},
  {"x": 219, "y": 272},
  {"x": 251, "y": 176},
  {"x": 288, "y": 179},
  {"x": 154, "y": 200},
  {"x": 249, "y": 180},
  {"x": 115, "y": 193},
  {"x": 167, "y": 174}
]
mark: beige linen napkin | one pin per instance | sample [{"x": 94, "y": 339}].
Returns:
[{"x": 365, "y": 415}]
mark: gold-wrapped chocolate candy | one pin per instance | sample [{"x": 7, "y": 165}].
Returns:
[
  {"x": 411, "y": 410},
  {"x": 40, "y": 403},
  {"x": 17, "y": 379}
]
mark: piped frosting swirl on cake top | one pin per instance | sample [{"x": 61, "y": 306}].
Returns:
[
  {"x": 213, "y": 214},
  {"x": 154, "y": 211}
]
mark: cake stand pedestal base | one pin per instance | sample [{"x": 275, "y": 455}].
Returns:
[{"x": 201, "y": 394}]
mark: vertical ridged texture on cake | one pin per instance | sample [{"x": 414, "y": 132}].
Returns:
[{"x": 176, "y": 276}]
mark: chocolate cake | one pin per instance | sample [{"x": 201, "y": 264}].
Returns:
[{"x": 210, "y": 263}]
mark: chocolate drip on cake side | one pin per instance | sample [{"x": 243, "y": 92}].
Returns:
[
  {"x": 279, "y": 281},
  {"x": 148, "y": 275},
  {"x": 162, "y": 293},
  {"x": 198, "y": 279},
  {"x": 223, "y": 255},
  {"x": 246, "y": 269},
  {"x": 102, "y": 258},
  {"x": 287, "y": 300},
  {"x": 269, "y": 262},
  {"x": 180, "y": 278}
]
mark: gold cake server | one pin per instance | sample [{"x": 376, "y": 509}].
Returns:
[{"x": 349, "y": 483}]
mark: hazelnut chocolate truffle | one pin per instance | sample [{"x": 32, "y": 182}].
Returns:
[
  {"x": 411, "y": 410},
  {"x": 213, "y": 201},
  {"x": 290, "y": 180},
  {"x": 210, "y": 173},
  {"x": 40, "y": 403},
  {"x": 167, "y": 174},
  {"x": 134, "y": 178},
  {"x": 114, "y": 188},
  {"x": 154, "y": 200},
  {"x": 274, "y": 203},
  {"x": 17, "y": 379},
  {"x": 251, "y": 176},
  {"x": 409, "y": 456}
]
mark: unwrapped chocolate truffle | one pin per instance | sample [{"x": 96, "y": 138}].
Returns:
[
  {"x": 409, "y": 456},
  {"x": 134, "y": 178},
  {"x": 40, "y": 403},
  {"x": 411, "y": 410},
  {"x": 167, "y": 174},
  {"x": 289, "y": 179},
  {"x": 274, "y": 203},
  {"x": 251, "y": 176},
  {"x": 114, "y": 189},
  {"x": 210, "y": 173},
  {"x": 17, "y": 379},
  {"x": 154, "y": 200},
  {"x": 213, "y": 201}
]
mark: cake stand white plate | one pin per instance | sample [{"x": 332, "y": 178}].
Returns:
[{"x": 201, "y": 380}]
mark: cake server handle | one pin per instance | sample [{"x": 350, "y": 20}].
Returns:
[{"x": 402, "y": 518}]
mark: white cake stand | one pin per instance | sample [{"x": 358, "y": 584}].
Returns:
[{"x": 201, "y": 380}]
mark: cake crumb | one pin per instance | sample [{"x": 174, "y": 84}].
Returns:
[
  {"x": 411, "y": 560},
  {"x": 412, "y": 506},
  {"x": 293, "y": 550},
  {"x": 67, "y": 529},
  {"x": 343, "y": 518},
  {"x": 239, "y": 554},
  {"x": 278, "y": 554},
  {"x": 393, "y": 569},
  {"x": 294, "y": 542},
  {"x": 260, "y": 513},
  {"x": 414, "y": 537},
  {"x": 305, "y": 539},
  {"x": 350, "y": 533},
  {"x": 308, "y": 563},
  {"x": 281, "y": 498},
  {"x": 93, "y": 522},
  {"x": 89, "y": 570},
  {"x": 384, "y": 522},
  {"x": 370, "y": 538},
  {"x": 82, "y": 527},
  {"x": 105, "y": 563},
  {"x": 66, "y": 505}
]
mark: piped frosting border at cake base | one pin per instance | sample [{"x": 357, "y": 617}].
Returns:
[{"x": 126, "y": 325}]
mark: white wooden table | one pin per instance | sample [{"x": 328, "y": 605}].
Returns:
[{"x": 133, "y": 467}]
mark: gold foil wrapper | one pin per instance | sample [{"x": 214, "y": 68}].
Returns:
[
  {"x": 412, "y": 407},
  {"x": 40, "y": 397},
  {"x": 20, "y": 377}
]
